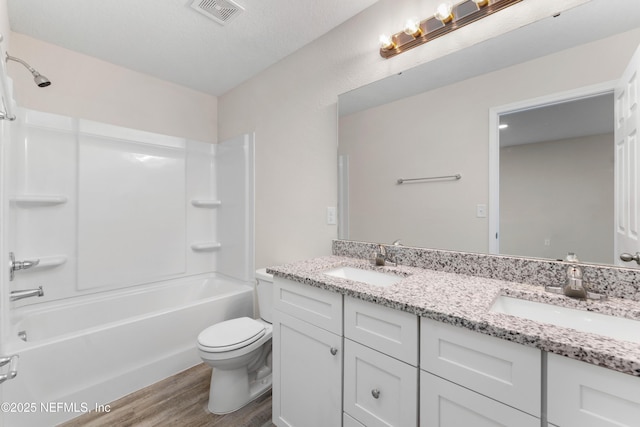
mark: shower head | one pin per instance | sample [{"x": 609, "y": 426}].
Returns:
[{"x": 40, "y": 80}]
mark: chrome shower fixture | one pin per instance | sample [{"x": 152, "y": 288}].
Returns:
[{"x": 40, "y": 80}]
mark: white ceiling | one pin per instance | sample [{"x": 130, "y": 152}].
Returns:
[
  {"x": 169, "y": 40},
  {"x": 578, "y": 118}
]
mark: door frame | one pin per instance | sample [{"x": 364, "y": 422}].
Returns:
[{"x": 494, "y": 143}]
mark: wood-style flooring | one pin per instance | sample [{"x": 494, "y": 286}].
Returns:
[{"x": 180, "y": 401}]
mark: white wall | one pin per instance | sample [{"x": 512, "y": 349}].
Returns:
[
  {"x": 88, "y": 88},
  {"x": 557, "y": 197},
  {"x": 292, "y": 109}
]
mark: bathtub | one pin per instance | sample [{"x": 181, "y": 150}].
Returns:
[{"x": 89, "y": 351}]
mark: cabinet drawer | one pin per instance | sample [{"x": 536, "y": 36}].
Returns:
[
  {"x": 379, "y": 390},
  {"x": 314, "y": 305},
  {"x": 502, "y": 370},
  {"x": 585, "y": 395},
  {"x": 390, "y": 331},
  {"x": 445, "y": 404}
]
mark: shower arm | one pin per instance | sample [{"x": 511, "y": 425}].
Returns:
[{"x": 27, "y": 66}]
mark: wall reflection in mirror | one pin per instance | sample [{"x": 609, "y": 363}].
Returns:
[
  {"x": 556, "y": 164},
  {"x": 556, "y": 180}
]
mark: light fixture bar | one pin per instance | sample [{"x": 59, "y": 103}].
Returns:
[{"x": 464, "y": 13}]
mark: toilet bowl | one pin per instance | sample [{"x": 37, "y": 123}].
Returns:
[{"x": 239, "y": 351}]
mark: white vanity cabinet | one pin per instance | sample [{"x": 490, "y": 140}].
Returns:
[
  {"x": 307, "y": 356},
  {"x": 470, "y": 378},
  {"x": 380, "y": 365},
  {"x": 341, "y": 361},
  {"x": 584, "y": 395}
]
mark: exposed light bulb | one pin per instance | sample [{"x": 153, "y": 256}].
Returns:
[
  {"x": 412, "y": 27},
  {"x": 444, "y": 13},
  {"x": 481, "y": 3},
  {"x": 386, "y": 42},
  {"x": 503, "y": 126}
]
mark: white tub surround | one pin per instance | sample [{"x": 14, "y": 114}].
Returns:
[
  {"x": 144, "y": 240},
  {"x": 106, "y": 207},
  {"x": 464, "y": 300}
]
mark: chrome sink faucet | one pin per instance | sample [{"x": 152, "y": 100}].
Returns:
[
  {"x": 381, "y": 256},
  {"x": 574, "y": 286}
]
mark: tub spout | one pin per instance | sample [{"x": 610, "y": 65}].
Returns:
[{"x": 27, "y": 293}]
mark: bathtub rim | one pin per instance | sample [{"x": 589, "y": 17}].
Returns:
[{"x": 14, "y": 344}]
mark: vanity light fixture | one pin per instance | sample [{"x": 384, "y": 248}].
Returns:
[
  {"x": 447, "y": 18},
  {"x": 503, "y": 126}
]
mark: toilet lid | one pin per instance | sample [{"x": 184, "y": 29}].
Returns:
[{"x": 231, "y": 334}]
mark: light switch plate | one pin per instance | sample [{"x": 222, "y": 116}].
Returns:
[{"x": 332, "y": 215}]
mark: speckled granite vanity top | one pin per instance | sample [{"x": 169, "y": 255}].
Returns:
[{"x": 466, "y": 301}]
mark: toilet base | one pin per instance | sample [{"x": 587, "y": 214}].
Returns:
[{"x": 232, "y": 389}]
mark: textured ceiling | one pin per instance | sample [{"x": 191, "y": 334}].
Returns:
[{"x": 171, "y": 41}]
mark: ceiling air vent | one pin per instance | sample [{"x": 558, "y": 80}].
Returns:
[{"x": 221, "y": 11}]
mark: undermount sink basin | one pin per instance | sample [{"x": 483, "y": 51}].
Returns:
[
  {"x": 371, "y": 277},
  {"x": 610, "y": 326}
]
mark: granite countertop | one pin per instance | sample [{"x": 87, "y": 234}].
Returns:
[{"x": 466, "y": 301}]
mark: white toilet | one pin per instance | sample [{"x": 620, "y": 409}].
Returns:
[{"x": 239, "y": 351}]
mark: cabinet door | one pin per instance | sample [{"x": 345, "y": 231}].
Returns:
[
  {"x": 307, "y": 374},
  {"x": 445, "y": 404},
  {"x": 379, "y": 390},
  {"x": 502, "y": 370},
  {"x": 585, "y": 395}
]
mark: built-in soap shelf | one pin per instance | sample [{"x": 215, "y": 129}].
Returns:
[
  {"x": 205, "y": 246},
  {"x": 51, "y": 261},
  {"x": 48, "y": 262},
  {"x": 206, "y": 203},
  {"x": 34, "y": 200}
]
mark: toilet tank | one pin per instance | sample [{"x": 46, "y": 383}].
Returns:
[{"x": 264, "y": 286}]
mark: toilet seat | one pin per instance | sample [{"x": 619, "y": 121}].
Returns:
[{"x": 230, "y": 335}]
